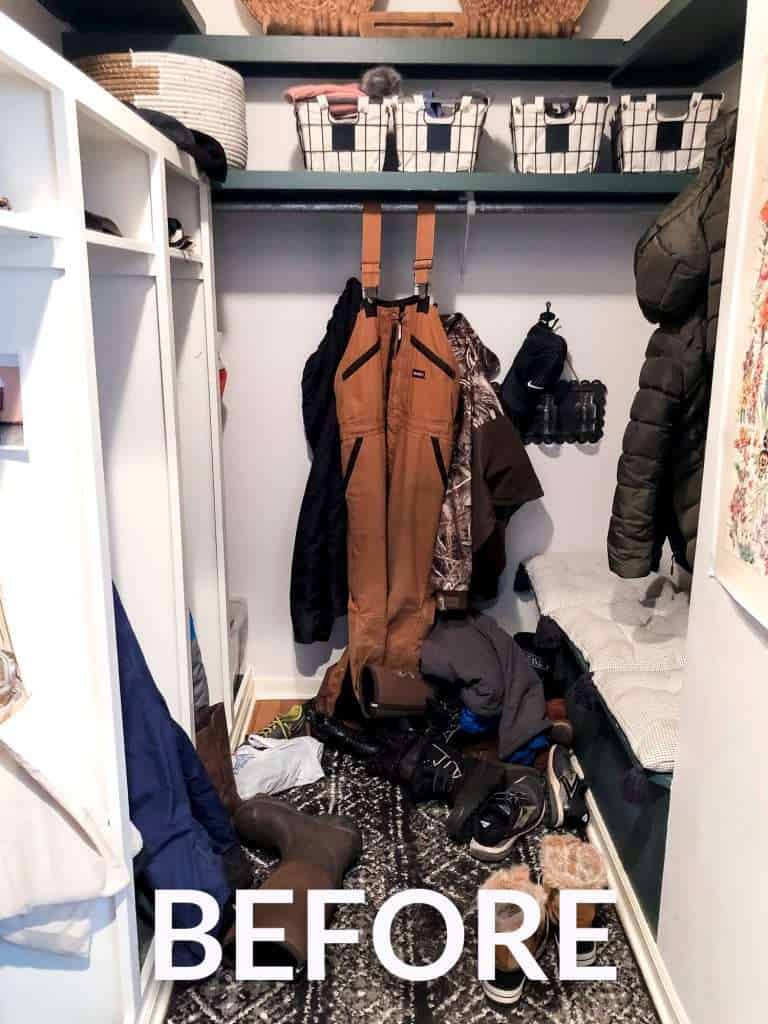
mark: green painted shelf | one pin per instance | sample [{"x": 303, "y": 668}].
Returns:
[
  {"x": 683, "y": 45},
  {"x": 265, "y": 56},
  {"x": 268, "y": 186}
]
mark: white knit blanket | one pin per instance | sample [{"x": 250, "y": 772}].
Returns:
[{"x": 631, "y": 633}]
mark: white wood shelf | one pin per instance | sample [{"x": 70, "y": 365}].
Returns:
[
  {"x": 133, "y": 246},
  {"x": 185, "y": 257},
  {"x": 29, "y": 225}
]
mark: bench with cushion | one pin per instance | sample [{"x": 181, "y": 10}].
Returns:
[{"x": 627, "y": 639}]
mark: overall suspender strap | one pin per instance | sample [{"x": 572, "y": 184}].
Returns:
[
  {"x": 425, "y": 243},
  {"x": 370, "y": 264}
]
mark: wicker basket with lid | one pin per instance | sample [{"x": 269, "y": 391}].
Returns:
[
  {"x": 524, "y": 19},
  {"x": 309, "y": 17}
]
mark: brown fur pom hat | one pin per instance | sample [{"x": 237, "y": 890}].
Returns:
[{"x": 381, "y": 81}]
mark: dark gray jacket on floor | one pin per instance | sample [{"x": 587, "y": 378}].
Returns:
[
  {"x": 476, "y": 654},
  {"x": 679, "y": 272}
]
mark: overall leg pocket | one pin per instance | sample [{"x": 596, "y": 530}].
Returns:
[
  {"x": 441, "y": 468},
  {"x": 352, "y": 458}
]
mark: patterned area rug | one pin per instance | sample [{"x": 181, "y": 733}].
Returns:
[{"x": 405, "y": 847}]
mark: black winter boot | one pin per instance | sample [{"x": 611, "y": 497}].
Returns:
[
  {"x": 331, "y": 730},
  {"x": 430, "y": 770}
]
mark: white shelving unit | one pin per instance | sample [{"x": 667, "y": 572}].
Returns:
[{"x": 119, "y": 476}]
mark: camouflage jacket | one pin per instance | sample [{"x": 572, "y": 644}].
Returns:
[{"x": 489, "y": 477}]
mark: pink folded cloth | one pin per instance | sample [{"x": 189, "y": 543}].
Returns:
[{"x": 349, "y": 92}]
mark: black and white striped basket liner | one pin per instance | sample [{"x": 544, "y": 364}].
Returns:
[
  {"x": 448, "y": 143},
  {"x": 355, "y": 143},
  {"x": 647, "y": 140},
  {"x": 558, "y": 136}
]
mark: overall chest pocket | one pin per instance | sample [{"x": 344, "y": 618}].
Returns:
[
  {"x": 433, "y": 388},
  {"x": 358, "y": 389}
]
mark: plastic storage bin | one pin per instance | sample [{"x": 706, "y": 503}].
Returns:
[
  {"x": 437, "y": 135},
  {"x": 330, "y": 143},
  {"x": 558, "y": 136},
  {"x": 650, "y": 139}
]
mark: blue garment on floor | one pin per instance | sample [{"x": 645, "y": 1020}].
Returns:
[
  {"x": 171, "y": 800},
  {"x": 527, "y": 755},
  {"x": 475, "y": 724}
]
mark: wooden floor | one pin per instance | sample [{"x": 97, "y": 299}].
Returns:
[{"x": 266, "y": 710}]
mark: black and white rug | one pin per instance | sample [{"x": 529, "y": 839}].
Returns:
[{"x": 405, "y": 847}]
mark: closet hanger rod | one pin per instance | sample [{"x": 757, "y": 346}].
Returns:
[{"x": 293, "y": 206}]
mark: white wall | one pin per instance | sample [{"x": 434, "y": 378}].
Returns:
[
  {"x": 715, "y": 903},
  {"x": 278, "y": 276},
  {"x": 36, "y": 19}
]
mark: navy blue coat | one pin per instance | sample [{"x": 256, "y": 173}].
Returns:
[{"x": 171, "y": 800}]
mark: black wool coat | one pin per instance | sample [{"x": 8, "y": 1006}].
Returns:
[
  {"x": 679, "y": 272},
  {"x": 319, "y": 570}
]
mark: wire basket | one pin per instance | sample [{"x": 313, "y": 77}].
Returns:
[
  {"x": 649, "y": 140},
  {"x": 437, "y": 135},
  {"x": 558, "y": 136},
  {"x": 354, "y": 142}
]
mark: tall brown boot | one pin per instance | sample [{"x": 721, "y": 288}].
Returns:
[
  {"x": 315, "y": 853},
  {"x": 212, "y": 744}
]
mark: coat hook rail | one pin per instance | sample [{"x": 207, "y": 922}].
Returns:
[{"x": 483, "y": 208}]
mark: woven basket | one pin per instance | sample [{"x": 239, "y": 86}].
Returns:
[
  {"x": 202, "y": 94},
  {"x": 308, "y": 17},
  {"x": 523, "y": 19}
]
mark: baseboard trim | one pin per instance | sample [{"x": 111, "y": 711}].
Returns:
[
  {"x": 298, "y": 688},
  {"x": 660, "y": 986},
  {"x": 154, "y": 1005},
  {"x": 245, "y": 703}
]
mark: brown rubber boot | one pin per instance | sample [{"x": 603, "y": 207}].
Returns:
[
  {"x": 212, "y": 744},
  {"x": 315, "y": 853}
]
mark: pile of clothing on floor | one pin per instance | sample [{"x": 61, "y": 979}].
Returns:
[{"x": 491, "y": 803}]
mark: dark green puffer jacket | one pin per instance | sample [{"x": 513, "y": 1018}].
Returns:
[{"x": 679, "y": 272}]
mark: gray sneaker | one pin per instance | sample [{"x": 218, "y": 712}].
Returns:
[
  {"x": 566, "y": 791},
  {"x": 508, "y": 814}
]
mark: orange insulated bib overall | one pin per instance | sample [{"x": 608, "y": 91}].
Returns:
[{"x": 396, "y": 399}]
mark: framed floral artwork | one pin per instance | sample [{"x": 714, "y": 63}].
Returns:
[{"x": 741, "y": 556}]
